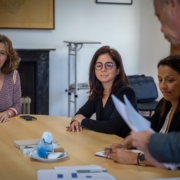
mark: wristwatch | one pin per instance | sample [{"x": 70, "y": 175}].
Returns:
[{"x": 141, "y": 161}]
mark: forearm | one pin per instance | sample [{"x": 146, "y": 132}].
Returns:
[{"x": 168, "y": 147}]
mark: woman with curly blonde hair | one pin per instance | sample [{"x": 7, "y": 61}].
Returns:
[{"x": 10, "y": 87}]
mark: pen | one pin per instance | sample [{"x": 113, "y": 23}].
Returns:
[
  {"x": 92, "y": 171},
  {"x": 26, "y": 147},
  {"x": 107, "y": 148}
]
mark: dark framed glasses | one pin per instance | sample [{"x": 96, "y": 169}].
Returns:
[{"x": 108, "y": 65}]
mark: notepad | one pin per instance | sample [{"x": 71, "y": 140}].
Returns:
[
  {"x": 19, "y": 143},
  {"x": 101, "y": 153},
  {"x": 29, "y": 142}
]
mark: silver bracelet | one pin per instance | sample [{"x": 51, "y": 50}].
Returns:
[{"x": 9, "y": 114}]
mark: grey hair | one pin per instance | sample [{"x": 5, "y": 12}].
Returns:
[{"x": 167, "y": 1}]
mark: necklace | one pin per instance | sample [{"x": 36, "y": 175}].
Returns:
[{"x": 172, "y": 111}]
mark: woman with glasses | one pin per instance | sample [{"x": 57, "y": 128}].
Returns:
[
  {"x": 106, "y": 77},
  {"x": 10, "y": 88}
]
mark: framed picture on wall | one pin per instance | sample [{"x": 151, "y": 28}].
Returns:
[
  {"x": 27, "y": 14},
  {"x": 126, "y": 2}
]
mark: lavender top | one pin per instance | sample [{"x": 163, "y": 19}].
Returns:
[{"x": 10, "y": 94}]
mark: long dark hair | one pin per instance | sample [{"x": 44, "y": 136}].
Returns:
[
  {"x": 172, "y": 61},
  {"x": 96, "y": 88}
]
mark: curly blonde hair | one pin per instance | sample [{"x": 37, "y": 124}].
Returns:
[{"x": 13, "y": 59}]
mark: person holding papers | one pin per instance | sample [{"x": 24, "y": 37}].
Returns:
[
  {"x": 163, "y": 147},
  {"x": 10, "y": 88},
  {"x": 106, "y": 77},
  {"x": 167, "y": 113}
]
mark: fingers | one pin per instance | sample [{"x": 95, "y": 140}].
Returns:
[
  {"x": 74, "y": 127},
  {"x": 4, "y": 119},
  {"x": 112, "y": 155},
  {"x": 107, "y": 153},
  {"x": 114, "y": 146}
]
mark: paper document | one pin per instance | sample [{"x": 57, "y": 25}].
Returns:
[
  {"x": 133, "y": 119},
  {"x": 75, "y": 172}
]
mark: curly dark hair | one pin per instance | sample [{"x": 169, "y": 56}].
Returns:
[
  {"x": 13, "y": 59},
  {"x": 172, "y": 61},
  {"x": 96, "y": 88}
]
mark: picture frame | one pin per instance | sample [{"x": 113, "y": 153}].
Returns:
[
  {"x": 27, "y": 14},
  {"x": 124, "y": 2}
]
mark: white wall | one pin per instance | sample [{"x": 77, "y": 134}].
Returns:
[
  {"x": 153, "y": 46},
  {"x": 133, "y": 30}
]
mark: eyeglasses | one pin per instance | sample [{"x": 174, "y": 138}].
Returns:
[{"x": 108, "y": 65}]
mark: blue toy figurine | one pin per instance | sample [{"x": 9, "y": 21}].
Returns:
[{"x": 45, "y": 145}]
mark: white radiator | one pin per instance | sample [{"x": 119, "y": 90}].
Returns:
[{"x": 26, "y": 101}]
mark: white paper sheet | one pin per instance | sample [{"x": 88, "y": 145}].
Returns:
[
  {"x": 70, "y": 172},
  {"x": 133, "y": 119}
]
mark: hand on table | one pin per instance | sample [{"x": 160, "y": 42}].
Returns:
[
  {"x": 4, "y": 117},
  {"x": 113, "y": 146},
  {"x": 76, "y": 123},
  {"x": 123, "y": 156},
  {"x": 125, "y": 143}
]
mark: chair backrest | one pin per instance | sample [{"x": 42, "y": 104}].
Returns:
[{"x": 144, "y": 87}]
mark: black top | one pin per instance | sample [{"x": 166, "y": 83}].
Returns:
[
  {"x": 165, "y": 147},
  {"x": 108, "y": 120},
  {"x": 157, "y": 121}
]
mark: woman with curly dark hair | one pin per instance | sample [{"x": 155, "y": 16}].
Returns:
[
  {"x": 106, "y": 77},
  {"x": 10, "y": 87}
]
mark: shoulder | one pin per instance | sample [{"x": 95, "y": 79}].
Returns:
[
  {"x": 160, "y": 103},
  {"x": 124, "y": 87},
  {"x": 9, "y": 75},
  {"x": 13, "y": 76}
]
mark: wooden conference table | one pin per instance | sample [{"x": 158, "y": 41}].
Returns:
[{"x": 14, "y": 165}]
